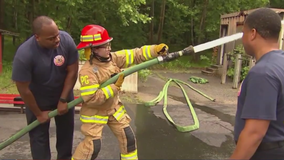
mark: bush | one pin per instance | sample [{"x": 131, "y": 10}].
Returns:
[{"x": 245, "y": 62}]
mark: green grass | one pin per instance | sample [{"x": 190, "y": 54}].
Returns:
[
  {"x": 186, "y": 63},
  {"x": 6, "y": 83}
]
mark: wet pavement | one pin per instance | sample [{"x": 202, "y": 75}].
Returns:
[
  {"x": 212, "y": 140},
  {"x": 156, "y": 137}
]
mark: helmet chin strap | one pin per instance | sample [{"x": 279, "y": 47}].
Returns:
[{"x": 101, "y": 59}]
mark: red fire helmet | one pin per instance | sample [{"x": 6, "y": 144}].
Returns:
[{"x": 93, "y": 35}]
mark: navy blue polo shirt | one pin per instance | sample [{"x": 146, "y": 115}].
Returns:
[
  {"x": 262, "y": 96},
  {"x": 45, "y": 69}
]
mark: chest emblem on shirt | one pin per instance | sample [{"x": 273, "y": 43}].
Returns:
[{"x": 59, "y": 60}]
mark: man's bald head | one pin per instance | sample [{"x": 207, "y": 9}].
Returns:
[
  {"x": 46, "y": 32},
  {"x": 39, "y": 22}
]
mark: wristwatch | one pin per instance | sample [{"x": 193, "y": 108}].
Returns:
[{"x": 63, "y": 100}]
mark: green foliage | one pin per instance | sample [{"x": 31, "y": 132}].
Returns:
[
  {"x": 245, "y": 68},
  {"x": 186, "y": 63},
  {"x": 143, "y": 74},
  {"x": 82, "y": 55},
  {"x": 128, "y": 21},
  {"x": 205, "y": 59},
  {"x": 199, "y": 80},
  {"x": 244, "y": 72},
  {"x": 134, "y": 23},
  {"x": 6, "y": 84}
]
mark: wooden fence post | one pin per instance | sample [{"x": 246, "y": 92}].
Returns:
[
  {"x": 237, "y": 71},
  {"x": 224, "y": 69}
]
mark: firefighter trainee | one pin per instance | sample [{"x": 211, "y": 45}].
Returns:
[{"x": 102, "y": 106}]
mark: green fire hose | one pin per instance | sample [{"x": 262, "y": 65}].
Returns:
[
  {"x": 164, "y": 93},
  {"x": 171, "y": 56}
]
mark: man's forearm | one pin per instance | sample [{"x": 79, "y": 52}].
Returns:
[
  {"x": 246, "y": 146},
  {"x": 30, "y": 101},
  {"x": 69, "y": 83}
]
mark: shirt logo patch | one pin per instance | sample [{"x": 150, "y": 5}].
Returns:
[{"x": 59, "y": 60}]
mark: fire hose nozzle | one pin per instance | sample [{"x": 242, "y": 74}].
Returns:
[
  {"x": 185, "y": 52},
  {"x": 188, "y": 51}
]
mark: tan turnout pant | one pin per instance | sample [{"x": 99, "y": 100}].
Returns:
[{"x": 90, "y": 147}]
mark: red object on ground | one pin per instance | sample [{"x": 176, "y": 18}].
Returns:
[
  {"x": 1, "y": 53},
  {"x": 15, "y": 99}
]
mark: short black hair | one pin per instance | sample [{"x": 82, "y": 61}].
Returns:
[
  {"x": 39, "y": 22},
  {"x": 266, "y": 22}
]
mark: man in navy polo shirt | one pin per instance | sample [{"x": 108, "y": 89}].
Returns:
[
  {"x": 259, "y": 124},
  {"x": 45, "y": 70}
]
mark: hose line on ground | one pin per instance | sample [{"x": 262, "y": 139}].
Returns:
[{"x": 164, "y": 94}]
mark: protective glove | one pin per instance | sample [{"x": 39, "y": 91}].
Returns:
[
  {"x": 119, "y": 81},
  {"x": 162, "y": 49}
]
